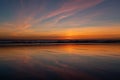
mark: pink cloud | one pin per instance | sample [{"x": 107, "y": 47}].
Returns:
[
  {"x": 72, "y": 6},
  {"x": 69, "y": 7}
]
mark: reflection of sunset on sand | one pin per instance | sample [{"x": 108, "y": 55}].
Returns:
[
  {"x": 64, "y": 48},
  {"x": 66, "y": 61}
]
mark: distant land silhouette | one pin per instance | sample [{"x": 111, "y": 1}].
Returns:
[{"x": 57, "y": 41}]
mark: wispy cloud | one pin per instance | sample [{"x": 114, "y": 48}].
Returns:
[
  {"x": 70, "y": 7},
  {"x": 25, "y": 20}
]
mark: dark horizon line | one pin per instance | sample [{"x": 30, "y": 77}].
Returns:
[
  {"x": 60, "y": 39},
  {"x": 38, "y": 42}
]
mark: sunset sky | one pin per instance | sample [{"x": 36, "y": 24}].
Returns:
[{"x": 59, "y": 19}]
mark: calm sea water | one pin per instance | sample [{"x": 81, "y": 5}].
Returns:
[{"x": 60, "y": 62}]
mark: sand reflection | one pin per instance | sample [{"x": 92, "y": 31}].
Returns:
[{"x": 56, "y": 62}]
